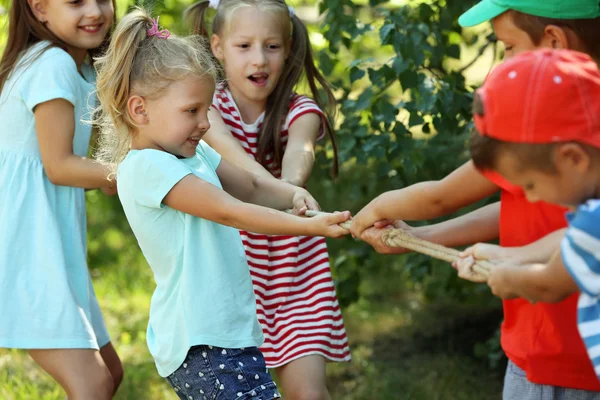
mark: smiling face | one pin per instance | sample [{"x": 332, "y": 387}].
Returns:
[
  {"x": 176, "y": 119},
  {"x": 81, "y": 24},
  {"x": 253, "y": 50}
]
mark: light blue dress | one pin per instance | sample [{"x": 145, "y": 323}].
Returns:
[{"x": 46, "y": 295}]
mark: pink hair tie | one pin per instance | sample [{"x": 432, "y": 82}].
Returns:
[{"x": 155, "y": 32}]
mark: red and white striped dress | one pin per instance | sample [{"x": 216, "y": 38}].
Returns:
[{"x": 296, "y": 301}]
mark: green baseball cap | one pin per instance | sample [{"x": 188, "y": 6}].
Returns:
[{"x": 486, "y": 10}]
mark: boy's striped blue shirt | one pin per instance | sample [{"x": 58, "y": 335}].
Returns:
[{"x": 580, "y": 251}]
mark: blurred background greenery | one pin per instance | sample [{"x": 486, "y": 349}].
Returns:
[{"x": 404, "y": 73}]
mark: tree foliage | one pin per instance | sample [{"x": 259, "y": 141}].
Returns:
[{"x": 406, "y": 117}]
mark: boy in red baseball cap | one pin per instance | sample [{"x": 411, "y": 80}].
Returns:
[{"x": 538, "y": 125}]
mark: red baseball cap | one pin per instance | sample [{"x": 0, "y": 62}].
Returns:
[{"x": 542, "y": 96}]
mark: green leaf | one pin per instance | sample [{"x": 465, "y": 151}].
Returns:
[
  {"x": 415, "y": 119},
  {"x": 326, "y": 63},
  {"x": 453, "y": 51},
  {"x": 382, "y": 76},
  {"x": 385, "y": 33},
  {"x": 400, "y": 129},
  {"x": 384, "y": 111},
  {"x": 356, "y": 74},
  {"x": 364, "y": 100},
  {"x": 400, "y": 64},
  {"x": 408, "y": 79},
  {"x": 361, "y": 132}
]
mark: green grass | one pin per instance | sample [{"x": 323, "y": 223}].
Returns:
[
  {"x": 401, "y": 347},
  {"x": 411, "y": 351}
]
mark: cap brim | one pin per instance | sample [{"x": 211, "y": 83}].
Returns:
[
  {"x": 480, "y": 13},
  {"x": 592, "y": 140}
]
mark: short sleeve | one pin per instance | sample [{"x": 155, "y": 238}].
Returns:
[
  {"x": 151, "y": 174},
  {"x": 52, "y": 75},
  {"x": 210, "y": 154},
  {"x": 580, "y": 249},
  {"x": 302, "y": 105},
  {"x": 215, "y": 101}
]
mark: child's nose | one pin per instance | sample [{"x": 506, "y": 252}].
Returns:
[
  {"x": 204, "y": 125},
  {"x": 93, "y": 9},
  {"x": 258, "y": 57}
]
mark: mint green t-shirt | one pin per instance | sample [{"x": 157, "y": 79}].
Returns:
[{"x": 203, "y": 292}]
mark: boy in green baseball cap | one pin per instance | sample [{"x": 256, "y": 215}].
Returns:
[
  {"x": 573, "y": 24},
  {"x": 487, "y": 10},
  {"x": 547, "y": 357}
]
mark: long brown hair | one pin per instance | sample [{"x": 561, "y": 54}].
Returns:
[
  {"x": 24, "y": 30},
  {"x": 300, "y": 61}
]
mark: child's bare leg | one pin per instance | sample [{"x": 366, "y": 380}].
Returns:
[
  {"x": 112, "y": 361},
  {"x": 304, "y": 379},
  {"x": 81, "y": 372}
]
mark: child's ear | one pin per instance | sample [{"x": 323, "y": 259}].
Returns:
[
  {"x": 572, "y": 156},
  {"x": 555, "y": 37},
  {"x": 38, "y": 9},
  {"x": 216, "y": 47},
  {"x": 136, "y": 107}
]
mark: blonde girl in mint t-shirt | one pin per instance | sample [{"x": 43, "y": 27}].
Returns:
[{"x": 185, "y": 205}]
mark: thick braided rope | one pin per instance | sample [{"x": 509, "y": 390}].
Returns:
[{"x": 399, "y": 238}]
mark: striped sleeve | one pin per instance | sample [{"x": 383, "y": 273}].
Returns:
[
  {"x": 580, "y": 249},
  {"x": 302, "y": 105},
  {"x": 588, "y": 324}
]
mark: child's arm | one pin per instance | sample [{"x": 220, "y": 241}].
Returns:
[
  {"x": 539, "y": 251},
  {"x": 478, "y": 225},
  {"x": 426, "y": 200},
  {"x": 573, "y": 268},
  {"x": 197, "y": 197},
  {"x": 267, "y": 192},
  {"x": 481, "y": 224},
  {"x": 55, "y": 127},
  {"x": 299, "y": 155},
  {"x": 220, "y": 139},
  {"x": 548, "y": 283}
]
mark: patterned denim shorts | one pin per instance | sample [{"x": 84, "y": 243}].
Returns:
[{"x": 210, "y": 373}]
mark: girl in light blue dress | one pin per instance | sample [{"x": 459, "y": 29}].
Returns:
[{"x": 47, "y": 302}]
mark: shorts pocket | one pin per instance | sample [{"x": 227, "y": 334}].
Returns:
[{"x": 195, "y": 378}]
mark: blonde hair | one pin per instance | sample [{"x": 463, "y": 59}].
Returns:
[
  {"x": 136, "y": 64},
  {"x": 299, "y": 63}
]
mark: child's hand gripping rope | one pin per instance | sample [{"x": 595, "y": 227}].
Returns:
[
  {"x": 469, "y": 269},
  {"x": 475, "y": 271},
  {"x": 333, "y": 224}
]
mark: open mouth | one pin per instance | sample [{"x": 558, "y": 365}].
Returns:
[
  {"x": 91, "y": 28},
  {"x": 259, "y": 78},
  {"x": 195, "y": 140}
]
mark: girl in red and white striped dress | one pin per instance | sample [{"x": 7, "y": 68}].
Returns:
[{"x": 265, "y": 49}]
